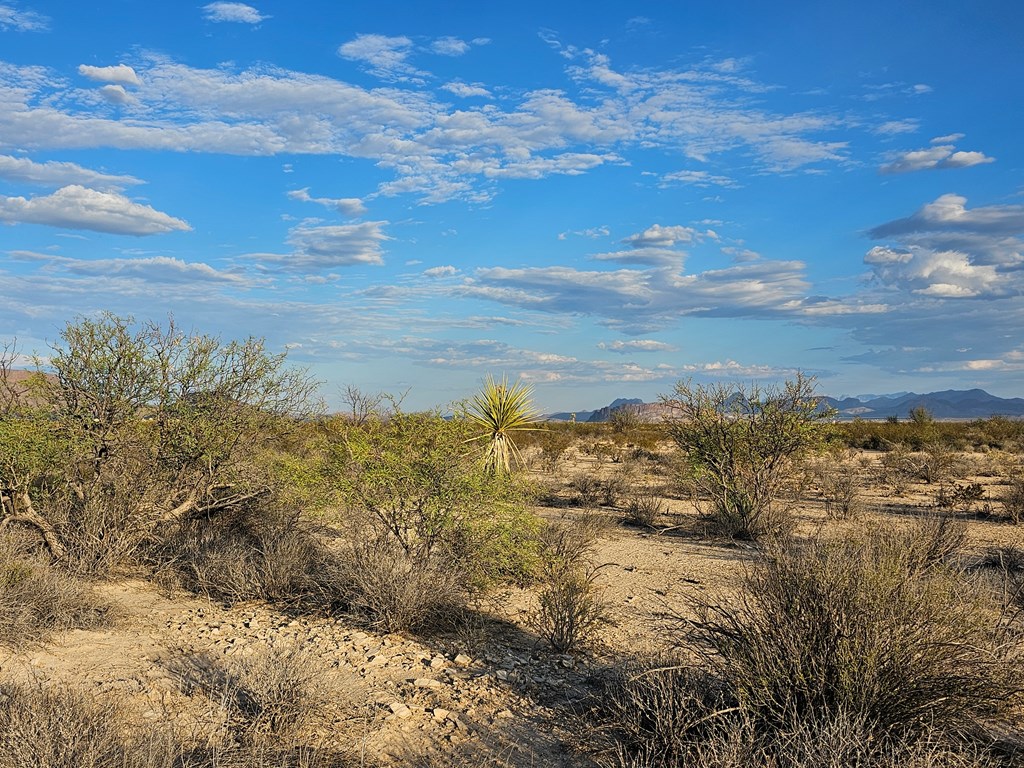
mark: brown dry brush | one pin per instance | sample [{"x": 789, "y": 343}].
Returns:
[{"x": 877, "y": 639}]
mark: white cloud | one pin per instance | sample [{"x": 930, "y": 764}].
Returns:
[
  {"x": 327, "y": 247},
  {"x": 78, "y": 207},
  {"x": 948, "y": 138},
  {"x": 444, "y": 271},
  {"x": 662, "y": 237},
  {"x": 429, "y": 149},
  {"x": 116, "y": 94},
  {"x": 120, "y": 74},
  {"x": 938, "y": 156},
  {"x": 950, "y": 213},
  {"x": 22, "y": 21},
  {"x": 466, "y": 90},
  {"x": 58, "y": 174},
  {"x": 449, "y": 46},
  {"x": 894, "y": 127},
  {"x": 636, "y": 345},
  {"x": 698, "y": 179},
  {"x": 348, "y": 206},
  {"x": 159, "y": 269},
  {"x": 233, "y": 12},
  {"x": 638, "y": 301},
  {"x": 386, "y": 56}
]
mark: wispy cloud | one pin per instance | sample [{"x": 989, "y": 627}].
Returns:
[
  {"x": 54, "y": 173},
  {"x": 431, "y": 150},
  {"x": 385, "y": 57},
  {"x": 636, "y": 345},
  {"x": 233, "y": 12},
  {"x": 348, "y": 206},
  {"x": 22, "y": 21}
]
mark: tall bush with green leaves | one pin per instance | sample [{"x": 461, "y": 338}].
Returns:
[
  {"x": 131, "y": 426},
  {"x": 427, "y": 524},
  {"x": 742, "y": 443}
]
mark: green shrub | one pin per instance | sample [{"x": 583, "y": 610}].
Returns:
[
  {"x": 742, "y": 444},
  {"x": 569, "y": 607},
  {"x": 418, "y": 506}
]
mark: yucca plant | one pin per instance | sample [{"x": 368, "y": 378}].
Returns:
[{"x": 498, "y": 410}]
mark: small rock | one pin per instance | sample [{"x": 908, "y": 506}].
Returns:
[
  {"x": 463, "y": 660},
  {"x": 426, "y": 682},
  {"x": 441, "y": 714},
  {"x": 399, "y": 709}
]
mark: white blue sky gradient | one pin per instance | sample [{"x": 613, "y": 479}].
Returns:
[{"x": 601, "y": 198}]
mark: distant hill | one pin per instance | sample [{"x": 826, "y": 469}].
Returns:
[{"x": 948, "y": 404}]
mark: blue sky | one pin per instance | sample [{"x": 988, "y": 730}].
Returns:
[{"x": 602, "y": 198}]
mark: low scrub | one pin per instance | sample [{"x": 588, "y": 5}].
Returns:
[
  {"x": 252, "y": 553},
  {"x": 36, "y": 598},
  {"x": 569, "y": 606},
  {"x": 872, "y": 649}
]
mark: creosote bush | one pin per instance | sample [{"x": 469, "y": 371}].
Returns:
[
  {"x": 425, "y": 524},
  {"x": 135, "y": 426},
  {"x": 876, "y": 645},
  {"x": 570, "y": 608},
  {"x": 741, "y": 445}
]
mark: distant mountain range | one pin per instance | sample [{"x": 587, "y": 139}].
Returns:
[{"x": 949, "y": 404}]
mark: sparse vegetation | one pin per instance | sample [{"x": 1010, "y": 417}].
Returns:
[
  {"x": 741, "y": 444},
  {"x": 570, "y": 607},
  {"x": 871, "y": 637}
]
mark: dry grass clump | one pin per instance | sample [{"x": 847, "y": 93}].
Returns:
[
  {"x": 569, "y": 609},
  {"x": 644, "y": 508},
  {"x": 867, "y": 650},
  {"x": 269, "y": 695},
  {"x": 397, "y": 590},
  {"x": 58, "y": 727},
  {"x": 247, "y": 554},
  {"x": 36, "y": 598}
]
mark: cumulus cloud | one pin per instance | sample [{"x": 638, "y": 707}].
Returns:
[
  {"x": 328, "y": 247},
  {"x": 233, "y": 12},
  {"x": 385, "y": 57},
  {"x": 348, "y": 206},
  {"x": 78, "y": 207},
  {"x": 658, "y": 236},
  {"x": 22, "y": 21},
  {"x": 58, "y": 174},
  {"x": 120, "y": 74},
  {"x": 949, "y": 212},
  {"x": 938, "y": 156}
]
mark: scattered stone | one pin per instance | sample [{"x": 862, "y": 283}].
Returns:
[
  {"x": 463, "y": 660},
  {"x": 427, "y": 682},
  {"x": 399, "y": 709}
]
